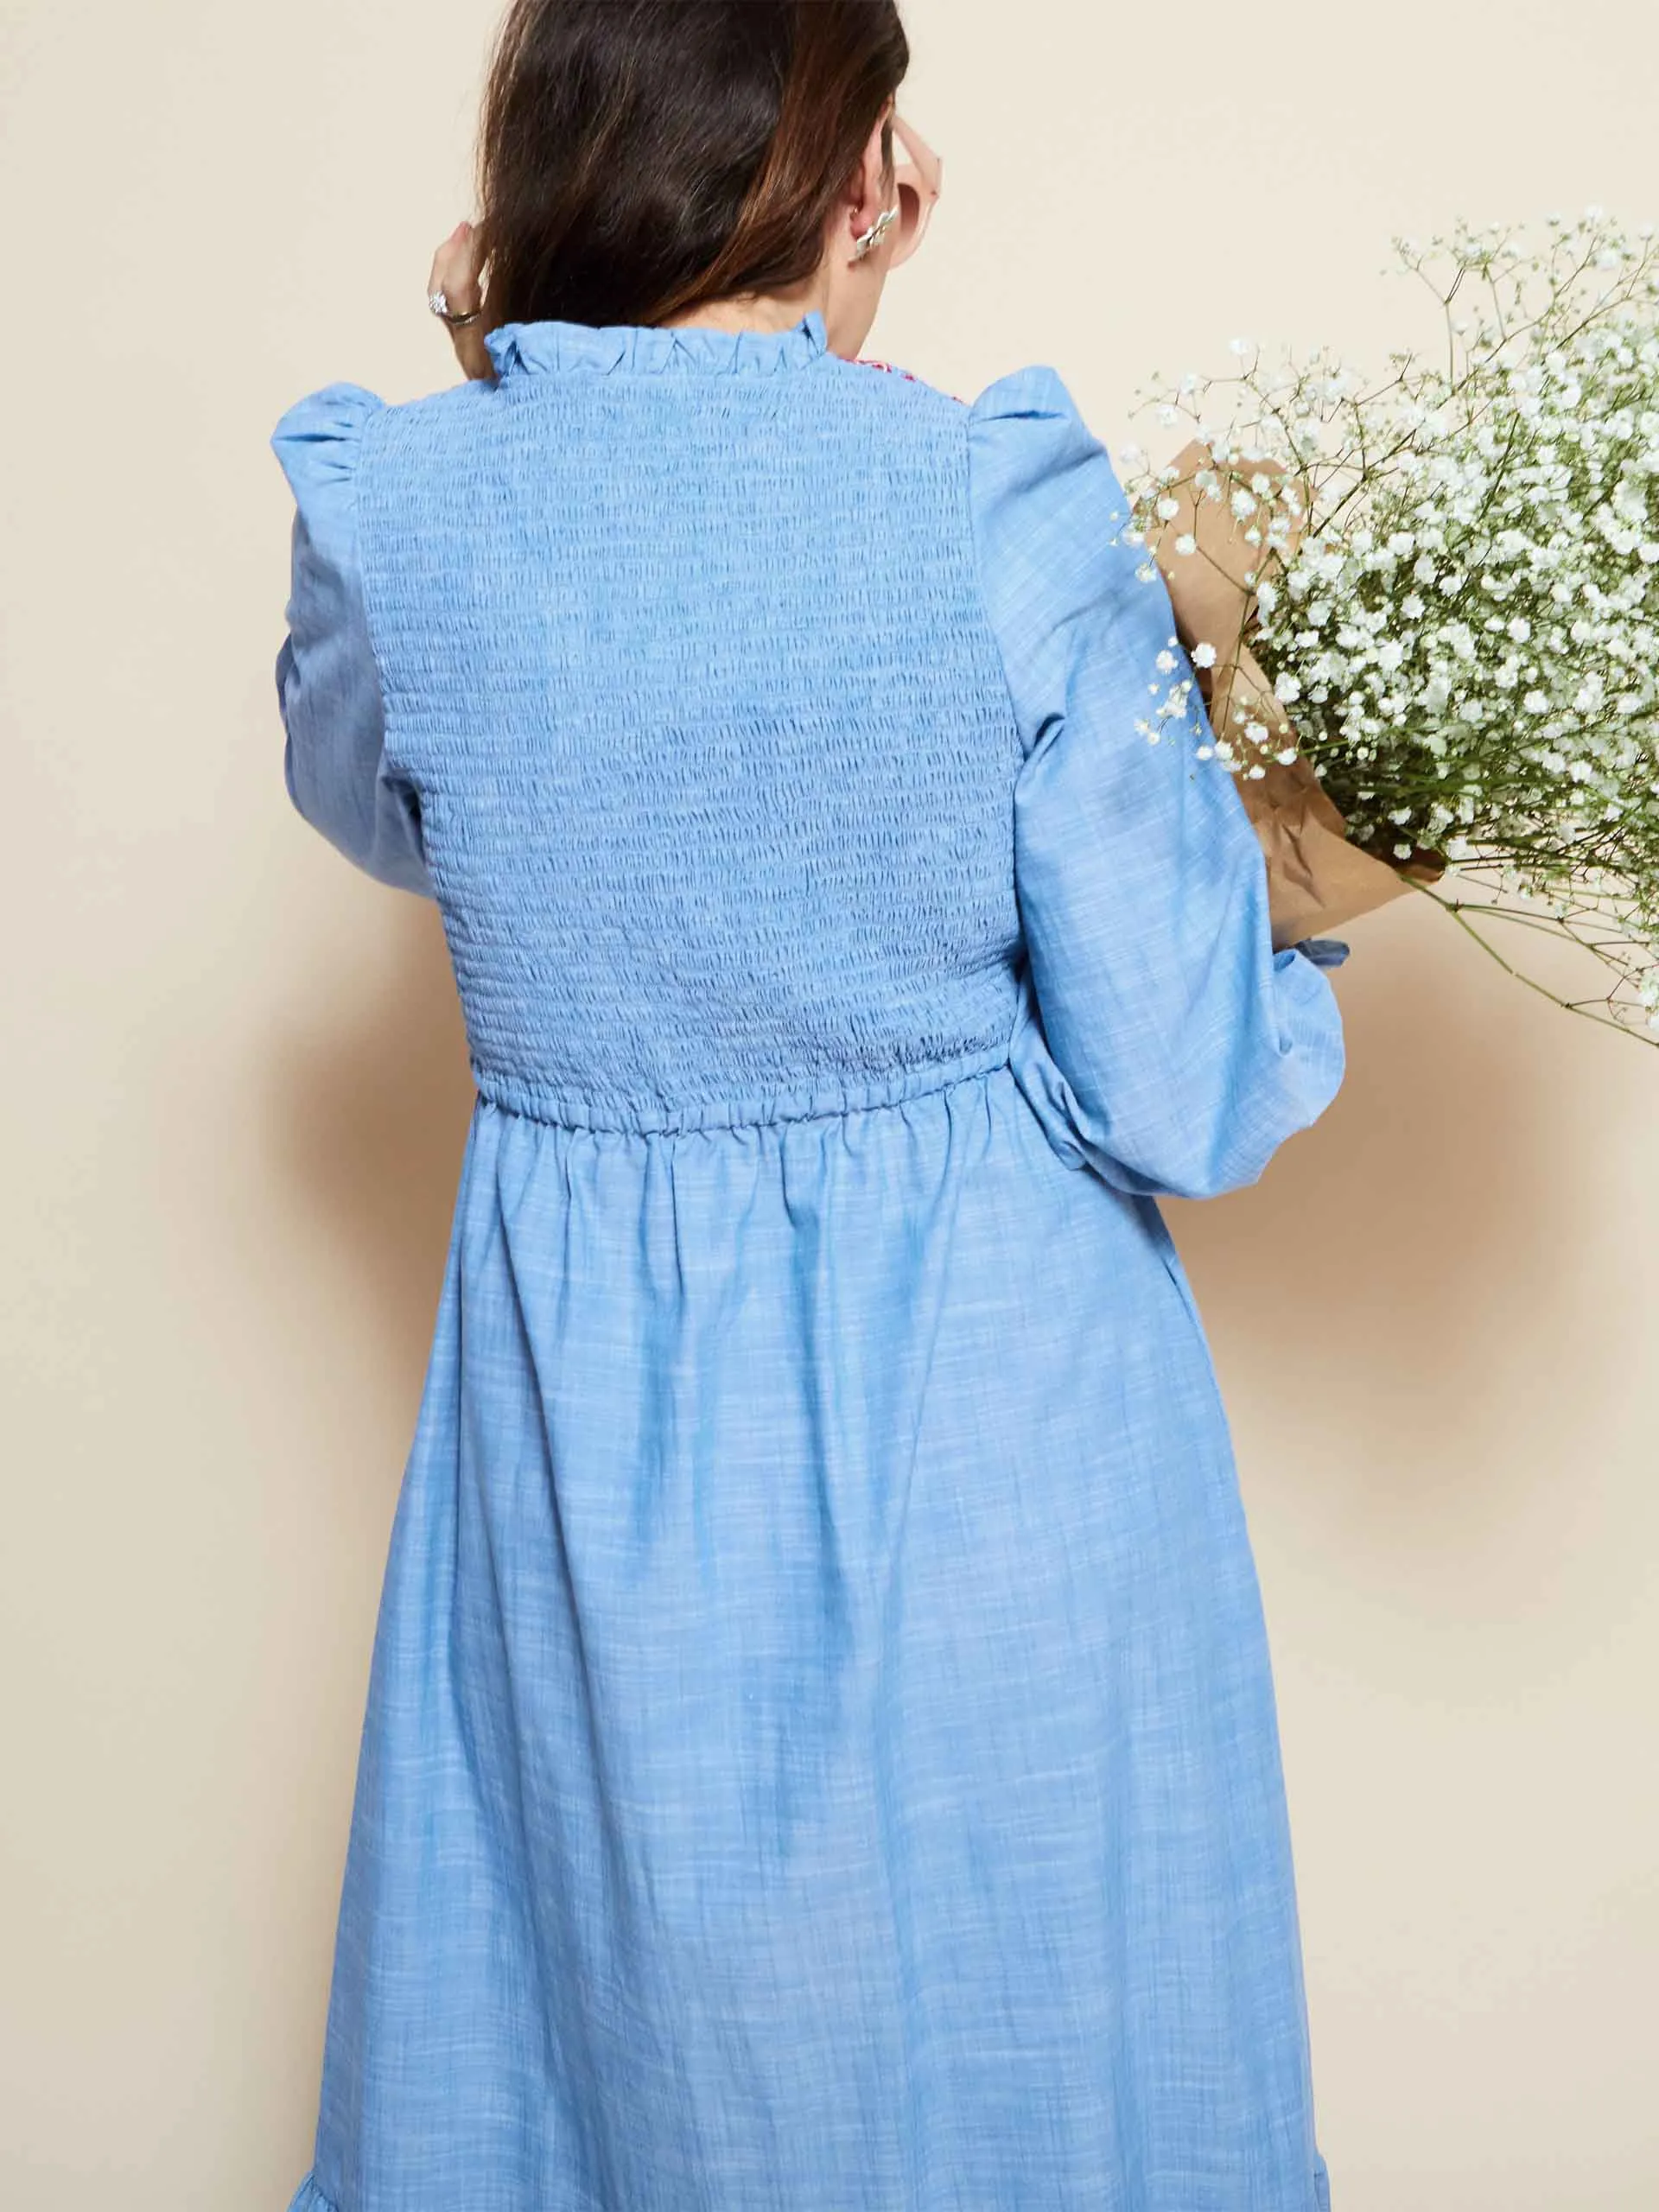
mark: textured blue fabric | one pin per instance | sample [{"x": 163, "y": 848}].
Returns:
[
  {"x": 820, "y": 1750},
  {"x": 335, "y": 759}
]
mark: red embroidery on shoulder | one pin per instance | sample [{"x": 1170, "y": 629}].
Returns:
[{"x": 892, "y": 368}]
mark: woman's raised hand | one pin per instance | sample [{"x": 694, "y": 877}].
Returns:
[{"x": 456, "y": 274}]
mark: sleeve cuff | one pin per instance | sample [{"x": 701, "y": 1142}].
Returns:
[{"x": 1323, "y": 951}]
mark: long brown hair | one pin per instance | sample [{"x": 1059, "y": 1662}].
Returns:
[{"x": 639, "y": 158}]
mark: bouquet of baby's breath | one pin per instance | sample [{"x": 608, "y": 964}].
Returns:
[{"x": 1442, "y": 667}]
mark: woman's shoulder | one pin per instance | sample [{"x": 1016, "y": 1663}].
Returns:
[
  {"x": 905, "y": 377},
  {"x": 1024, "y": 426},
  {"x": 1026, "y": 423},
  {"x": 319, "y": 436},
  {"x": 1035, "y": 392},
  {"x": 1032, "y": 449},
  {"x": 321, "y": 439},
  {"x": 898, "y": 392}
]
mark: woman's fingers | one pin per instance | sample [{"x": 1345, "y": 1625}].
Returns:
[{"x": 456, "y": 274}]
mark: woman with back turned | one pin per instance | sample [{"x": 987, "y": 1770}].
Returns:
[{"x": 821, "y": 1752}]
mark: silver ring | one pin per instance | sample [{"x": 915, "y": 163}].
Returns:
[{"x": 439, "y": 303}]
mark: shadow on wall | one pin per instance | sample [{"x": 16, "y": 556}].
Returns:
[
  {"x": 1370, "y": 1272},
  {"x": 369, "y": 1116}
]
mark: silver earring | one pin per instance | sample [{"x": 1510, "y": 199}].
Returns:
[{"x": 867, "y": 242}]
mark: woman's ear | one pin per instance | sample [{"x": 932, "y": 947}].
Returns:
[{"x": 866, "y": 197}]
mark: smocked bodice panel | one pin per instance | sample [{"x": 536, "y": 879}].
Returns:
[{"x": 685, "y": 659}]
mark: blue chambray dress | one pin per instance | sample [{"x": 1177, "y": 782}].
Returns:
[{"x": 821, "y": 1751}]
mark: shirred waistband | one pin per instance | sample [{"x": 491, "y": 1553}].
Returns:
[{"x": 539, "y": 1102}]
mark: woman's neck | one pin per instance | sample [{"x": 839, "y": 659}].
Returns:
[{"x": 761, "y": 311}]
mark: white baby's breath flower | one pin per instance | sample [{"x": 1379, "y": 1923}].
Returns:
[{"x": 1459, "y": 600}]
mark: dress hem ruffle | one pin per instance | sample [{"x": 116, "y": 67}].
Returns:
[{"x": 310, "y": 2198}]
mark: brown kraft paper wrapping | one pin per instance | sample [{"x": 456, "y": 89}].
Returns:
[{"x": 1317, "y": 879}]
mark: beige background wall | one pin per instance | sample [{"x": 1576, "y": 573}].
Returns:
[{"x": 234, "y": 1093}]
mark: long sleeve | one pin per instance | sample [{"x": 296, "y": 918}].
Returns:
[
  {"x": 328, "y": 686},
  {"x": 1167, "y": 1042}
]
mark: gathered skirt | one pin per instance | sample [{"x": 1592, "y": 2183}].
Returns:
[{"x": 821, "y": 1751}]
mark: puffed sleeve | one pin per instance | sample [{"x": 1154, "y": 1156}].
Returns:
[
  {"x": 1166, "y": 1041},
  {"x": 328, "y": 686}
]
